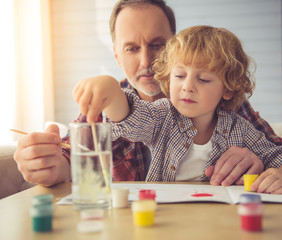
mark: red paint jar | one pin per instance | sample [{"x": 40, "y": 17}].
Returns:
[{"x": 250, "y": 210}]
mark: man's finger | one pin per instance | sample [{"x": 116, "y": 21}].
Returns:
[
  {"x": 225, "y": 169},
  {"x": 236, "y": 172},
  {"x": 220, "y": 162},
  {"x": 40, "y": 150},
  {"x": 209, "y": 171},
  {"x": 44, "y": 176},
  {"x": 40, "y": 163},
  {"x": 256, "y": 168}
]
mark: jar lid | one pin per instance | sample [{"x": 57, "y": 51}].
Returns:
[
  {"x": 41, "y": 210},
  {"x": 42, "y": 199},
  {"x": 145, "y": 205},
  {"x": 147, "y": 194},
  {"x": 250, "y": 177},
  {"x": 250, "y": 198}
]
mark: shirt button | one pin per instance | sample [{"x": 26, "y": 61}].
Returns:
[
  {"x": 192, "y": 128},
  {"x": 224, "y": 131},
  {"x": 182, "y": 125},
  {"x": 172, "y": 168},
  {"x": 186, "y": 145}
]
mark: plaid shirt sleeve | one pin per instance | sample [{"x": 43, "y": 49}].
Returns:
[
  {"x": 247, "y": 112},
  {"x": 129, "y": 162}
]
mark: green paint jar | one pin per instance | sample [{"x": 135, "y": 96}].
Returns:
[{"x": 42, "y": 213}]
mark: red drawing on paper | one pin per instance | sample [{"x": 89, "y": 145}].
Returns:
[{"x": 201, "y": 195}]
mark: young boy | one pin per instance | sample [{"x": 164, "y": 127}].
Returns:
[{"x": 205, "y": 73}]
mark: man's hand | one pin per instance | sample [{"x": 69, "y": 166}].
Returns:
[
  {"x": 231, "y": 166},
  {"x": 40, "y": 160},
  {"x": 269, "y": 181}
]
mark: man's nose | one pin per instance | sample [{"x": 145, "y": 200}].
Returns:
[{"x": 147, "y": 57}]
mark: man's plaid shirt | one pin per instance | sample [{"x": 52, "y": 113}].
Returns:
[
  {"x": 128, "y": 157},
  {"x": 169, "y": 135}
]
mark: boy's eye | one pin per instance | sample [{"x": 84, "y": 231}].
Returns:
[
  {"x": 204, "y": 80},
  {"x": 179, "y": 76}
]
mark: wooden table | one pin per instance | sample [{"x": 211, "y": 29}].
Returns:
[{"x": 173, "y": 221}]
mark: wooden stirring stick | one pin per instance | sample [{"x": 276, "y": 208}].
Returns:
[
  {"x": 64, "y": 145},
  {"x": 101, "y": 157}
]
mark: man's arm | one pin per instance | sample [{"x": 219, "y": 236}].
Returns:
[
  {"x": 247, "y": 112},
  {"x": 236, "y": 161}
]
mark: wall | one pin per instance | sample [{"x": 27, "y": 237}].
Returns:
[{"x": 82, "y": 45}]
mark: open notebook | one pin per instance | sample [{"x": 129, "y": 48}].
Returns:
[{"x": 176, "y": 193}]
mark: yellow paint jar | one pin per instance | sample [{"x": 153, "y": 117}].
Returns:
[
  {"x": 144, "y": 212},
  {"x": 248, "y": 181}
]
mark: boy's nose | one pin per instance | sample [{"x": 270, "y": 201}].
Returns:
[{"x": 188, "y": 84}]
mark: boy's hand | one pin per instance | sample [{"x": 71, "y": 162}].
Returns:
[
  {"x": 270, "y": 181},
  {"x": 98, "y": 94}
]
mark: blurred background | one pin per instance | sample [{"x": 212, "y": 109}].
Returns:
[{"x": 48, "y": 46}]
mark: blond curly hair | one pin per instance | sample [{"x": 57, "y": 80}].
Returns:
[{"x": 215, "y": 49}]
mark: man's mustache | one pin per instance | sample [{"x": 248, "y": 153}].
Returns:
[{"x": 145, "y": 71}]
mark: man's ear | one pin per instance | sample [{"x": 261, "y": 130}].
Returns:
[
  {"x": 227, "y": 95},
  {"x": 116, "y": 55}
]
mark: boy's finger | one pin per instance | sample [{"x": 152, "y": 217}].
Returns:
[
  {"x": 257, "y": 182},
  {"x": 95, "y": 109},
  {"x": 78, "y": 91},
  {"x": 84, "y": 102},
  {"x": 275, "y": 187}
]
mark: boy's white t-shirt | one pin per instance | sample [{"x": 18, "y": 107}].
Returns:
[{"x": 192, "y": 166}]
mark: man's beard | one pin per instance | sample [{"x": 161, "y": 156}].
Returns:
[{"x": 152, "y": 90}]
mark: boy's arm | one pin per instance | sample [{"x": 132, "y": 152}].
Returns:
[{"x": 101, "y": 93}]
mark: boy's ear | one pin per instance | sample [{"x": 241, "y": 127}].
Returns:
[{"x": 227, "y": 95}]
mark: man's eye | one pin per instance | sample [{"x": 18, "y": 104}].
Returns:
[
  {"x": 131, "y": 49},
  {"x": 156, "y": 46}
]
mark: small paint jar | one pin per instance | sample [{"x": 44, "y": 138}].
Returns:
[
  {"x": 248, "y": 181},
  {"x": 251, "y": 212},
  {"x": 144, "y": 212},
  {"x": 120, "y": 197},
  {"x": 147, "y": 194},
  {"x": 41, "y": 212}
]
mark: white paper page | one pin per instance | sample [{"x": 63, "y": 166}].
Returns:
[
  {"x": 67, "y": 200},
  {"x": 173, "y": 193},
  {"x": 236, "y": 191}
]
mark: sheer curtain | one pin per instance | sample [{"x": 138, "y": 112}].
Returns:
[{"x": 27, "y": 94}]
